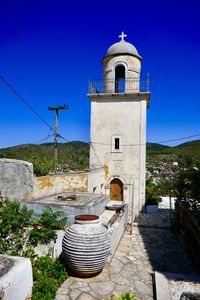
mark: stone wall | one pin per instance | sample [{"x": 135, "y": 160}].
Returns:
[
  {"x": 16, "y": 178},
  {"x": 17, "y": 181}
]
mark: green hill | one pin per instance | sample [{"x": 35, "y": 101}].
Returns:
[
  {"x": 75, "y": 155},
  {"x": 157, "y": 153},
  {"x": 71, "y": 156}
]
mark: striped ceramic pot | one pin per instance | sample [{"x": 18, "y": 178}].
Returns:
[{"x": 86, "y": 246}]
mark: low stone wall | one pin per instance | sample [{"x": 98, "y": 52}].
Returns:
[
  {"x": 16, "y": 178},
  {"x": 16, "y": 279},
  {"x": 190, "y": 230},
  {"x": 53, "y": 184},
  {"x": 17, "y": 181}
]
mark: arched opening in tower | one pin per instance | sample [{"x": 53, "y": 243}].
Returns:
[
  {"x": 116, "y": 190},
  {"x": 120, "y": 79}
]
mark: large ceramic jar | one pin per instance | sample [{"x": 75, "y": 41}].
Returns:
[{"x": 86, "y": 245}]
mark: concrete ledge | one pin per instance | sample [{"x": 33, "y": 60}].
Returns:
[
  {"x": 162, "y": 289},
  {"x": 116, "y": 230},
  {"x": 162, "y": 286},
  {"x": 16, "y": 280}
]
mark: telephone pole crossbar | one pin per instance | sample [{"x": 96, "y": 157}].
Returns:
[{"x": 56, "y": 109}]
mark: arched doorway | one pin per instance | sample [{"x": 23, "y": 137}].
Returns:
[
  {"x": 116, "y": 190},
  {"x": 120, "y": 79}
]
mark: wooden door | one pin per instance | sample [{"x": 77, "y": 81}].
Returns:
[{"x": 116, "y": 190}]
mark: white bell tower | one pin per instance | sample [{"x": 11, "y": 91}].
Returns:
[{"x": 118, "y": 124}]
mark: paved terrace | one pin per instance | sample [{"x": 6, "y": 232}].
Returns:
[{"x": 138, "y": 255}]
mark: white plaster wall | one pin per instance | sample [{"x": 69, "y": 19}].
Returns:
[
  {"x": 123, "y": 115},
  {"x": 96, "y": 181},
  {"x": 17, "y": 283}
]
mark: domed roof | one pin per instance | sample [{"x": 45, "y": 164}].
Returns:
[{"x": 122, "y": 47}]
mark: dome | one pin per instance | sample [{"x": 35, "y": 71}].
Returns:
[{"x": 122, "y": 47}]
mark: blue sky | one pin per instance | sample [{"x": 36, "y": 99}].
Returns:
[{"x": 49, "y": 50}]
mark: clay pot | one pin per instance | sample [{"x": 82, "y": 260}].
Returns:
[{"x": 86, "y": 246}]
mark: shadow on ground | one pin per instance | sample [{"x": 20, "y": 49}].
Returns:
[{"x": 166, "y": 253}]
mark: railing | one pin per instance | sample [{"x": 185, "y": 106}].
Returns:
[{"x": 119, "y": 86}]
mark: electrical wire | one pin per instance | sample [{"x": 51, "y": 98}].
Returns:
[
  {"x": 96, "y": 155},
  {"x": 30, "y": 107},
  {"x": 158, "y": 142},
  {"x": 91, "y": 142}
]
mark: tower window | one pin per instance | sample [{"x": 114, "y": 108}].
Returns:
[{"x": 116, "y": 143}]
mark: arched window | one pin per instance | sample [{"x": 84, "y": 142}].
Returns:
[
  {"x": 120, "y": 79},
  {"x": 116, "y": 190}
]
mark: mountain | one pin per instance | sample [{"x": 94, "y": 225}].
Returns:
[
  {"x": 157, "y": 153},
  {"x": 71, "y": 156},
  {"x": 75, "y": 155}
]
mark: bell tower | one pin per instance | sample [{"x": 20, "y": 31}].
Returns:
[{"x": 118, "y": 124}]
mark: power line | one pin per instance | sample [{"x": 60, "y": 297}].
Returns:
[
  {"x": 92, "y": 142},
  {"x": 30, "y": 107},
  {"x": 45, "y": 138},
  {"x": 25, "y": 102},
  {"x": 144, "y": 144},
  {"x": 96, "y": 154}
]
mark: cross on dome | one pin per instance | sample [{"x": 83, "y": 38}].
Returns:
[{"x": 122, "y": 36}]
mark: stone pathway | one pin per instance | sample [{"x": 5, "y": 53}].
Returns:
[
  {"x": 131, "y": 269},
  {"x": 160, "y": 219}
]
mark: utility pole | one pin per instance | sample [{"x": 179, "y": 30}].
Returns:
[{"x": 56, "y": 109}]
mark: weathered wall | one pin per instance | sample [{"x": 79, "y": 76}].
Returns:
[
  {"x": 96, "y": 181},
  {"x": 127, "y": 164},
  {"x": 16, "y": 178},
  {"x": 18, "y": 182},
  {"x": 52, "y": 184}
]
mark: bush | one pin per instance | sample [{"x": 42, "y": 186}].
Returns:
[
  {"x": 48, "y": 275},
  {"x": 127, "y": 296},
  {"x": 15, "y": 236},
  {"x": 13, "y": 220},
  {"x": 152, "y": 197},
  {"x": 45, "y": 226},
  {"x": 123, "y": 296}
]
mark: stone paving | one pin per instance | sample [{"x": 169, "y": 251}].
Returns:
[
  {"x": 160, "y": 219},
  {"x": 129, "y": 270},
  {"x": 133, "y": 264}
]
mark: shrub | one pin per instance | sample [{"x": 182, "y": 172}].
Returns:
[
  {"x": 123, "y": 296},
  {"x": 48, "y": 275},
  {"x": 13, "y": 220},
  {"x": 45, "y": 226},
  {"x": 14, "y": 236},
  {"x": 127, "y": 296},
  {"x": 152, "y": 197}
]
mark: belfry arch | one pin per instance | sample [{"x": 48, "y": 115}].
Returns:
[
  {"x": 116, "y": 189},
  {"x": 120, "y": 72}
]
